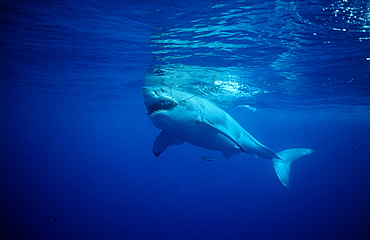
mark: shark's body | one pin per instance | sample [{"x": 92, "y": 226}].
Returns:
[{"x": 188, "y": 118}]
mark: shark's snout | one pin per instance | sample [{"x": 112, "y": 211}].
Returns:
[
  {"x": 149, "y": 95},
  {"x": 154, "y": 92},
  {"x": 145, "y": 91}
]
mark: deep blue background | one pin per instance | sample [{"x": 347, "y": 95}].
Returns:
[{"x": 76, "y": 144}]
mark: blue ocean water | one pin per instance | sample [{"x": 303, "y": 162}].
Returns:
[{"x": 76, "y": 158}]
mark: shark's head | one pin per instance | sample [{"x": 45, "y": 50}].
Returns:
[
  {"x": 158, "y": 99},
  {"x": 166, "y": 106}
]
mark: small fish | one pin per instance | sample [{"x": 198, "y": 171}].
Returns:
[
  {"x": 210, "y": 159},
  {"x": 253, "y": 109}
]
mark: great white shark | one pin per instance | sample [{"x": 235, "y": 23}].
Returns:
[{"x": 184, "y": 117}]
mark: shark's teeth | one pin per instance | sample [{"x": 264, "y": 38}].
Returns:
[{"x": 161, "y": 106}]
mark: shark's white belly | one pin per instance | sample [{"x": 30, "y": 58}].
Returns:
[{"x": 204, "y": 136}]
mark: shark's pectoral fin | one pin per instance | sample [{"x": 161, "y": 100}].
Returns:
[{"x": 163, "y": 141}]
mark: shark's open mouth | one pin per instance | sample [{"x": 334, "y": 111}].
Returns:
[{"x": 161, "y": 105}]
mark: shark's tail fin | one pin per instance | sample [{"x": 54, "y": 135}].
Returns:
[{"x": 287, "y": 157}]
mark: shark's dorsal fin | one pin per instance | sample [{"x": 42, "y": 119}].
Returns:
[{"x": 163, "y": 141}]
